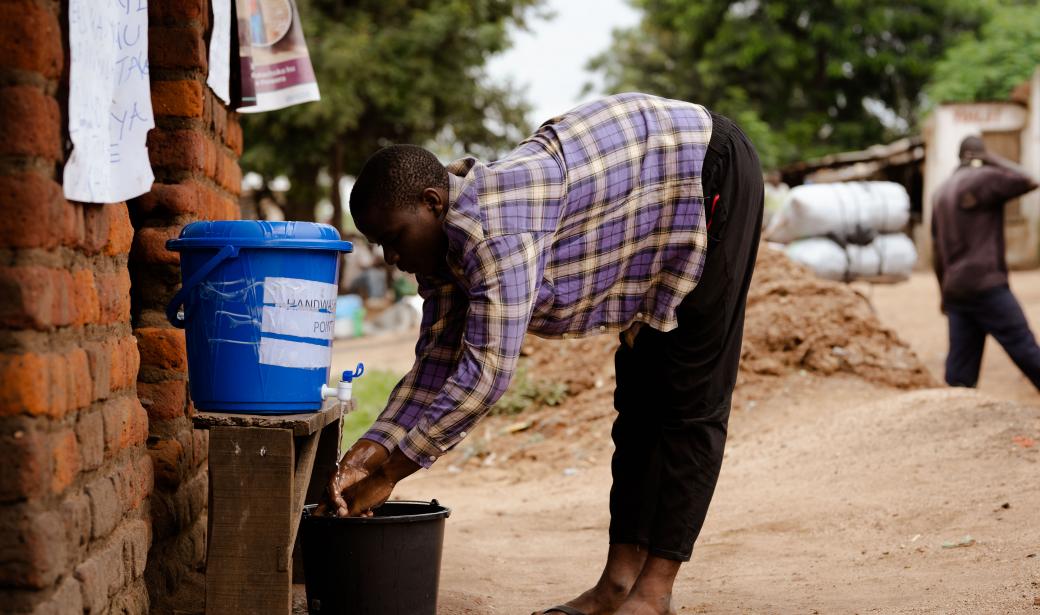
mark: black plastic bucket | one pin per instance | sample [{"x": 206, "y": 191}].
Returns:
[{"x": 387, "y": 564}]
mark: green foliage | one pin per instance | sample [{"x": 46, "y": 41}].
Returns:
[
  {"x": 371, "y": 393},
  {"x": 988, "y": 67},
  {"x": 390, "y": 71},
  {"x": 804, "y": 78},
  {"x": 525, "y": 392}
]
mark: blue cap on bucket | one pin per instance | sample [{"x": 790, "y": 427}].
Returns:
[{"x": 260, "y": 234}]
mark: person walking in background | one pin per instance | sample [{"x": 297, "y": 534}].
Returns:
[
  {"x": 634, "y": 215},
  {"x": 968, "y": 240}
]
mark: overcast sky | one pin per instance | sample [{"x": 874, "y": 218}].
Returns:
[{"x": 548, "y": 62}]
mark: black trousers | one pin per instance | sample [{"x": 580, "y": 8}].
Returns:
[
  {"x": 993, "y": 312},
  {"x": 674, "y": 389}
]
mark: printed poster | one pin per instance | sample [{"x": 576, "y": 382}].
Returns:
[
  {"x": 276, "y": 68},
  {"x": 110, "y": 103}
]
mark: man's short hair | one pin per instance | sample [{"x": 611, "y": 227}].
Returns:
[
  {"x": 395, "y": 176},
  {"x": 971, "y": 146}
]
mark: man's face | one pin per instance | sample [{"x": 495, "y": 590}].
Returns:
[{"x": 411, "y": 235}]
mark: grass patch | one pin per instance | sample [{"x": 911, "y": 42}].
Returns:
[{"x": 371, "y": 392}]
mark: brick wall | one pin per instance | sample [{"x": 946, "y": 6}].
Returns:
[
  {"x": 194, "y": 152},
  {"x": 102, "y": 480}
]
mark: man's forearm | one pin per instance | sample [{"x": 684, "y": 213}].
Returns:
[
  {"x": 398, "y": 466},
  {"x": 366, "y": 454}
]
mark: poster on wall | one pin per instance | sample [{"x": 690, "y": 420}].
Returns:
[
  {"x": 110, "y": 103},
  {"x": 276, "y": 68}
]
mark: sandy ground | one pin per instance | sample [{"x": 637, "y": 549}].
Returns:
[{"x": 836, "y": 495}]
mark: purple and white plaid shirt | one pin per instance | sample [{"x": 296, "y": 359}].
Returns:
[{"x": 594, "y": 223}]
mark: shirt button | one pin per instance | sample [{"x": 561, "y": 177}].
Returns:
[
  {"x": 639, "y": 314},
  {"x": 433, "y": 458},
  {"x": 602, "y": 328},
  {"x": 462, "y": 434}
]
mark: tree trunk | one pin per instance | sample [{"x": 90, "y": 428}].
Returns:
[{"x": 336, "y": 173}]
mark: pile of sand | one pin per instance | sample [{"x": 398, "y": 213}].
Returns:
[{"x": 797, "y": 321}]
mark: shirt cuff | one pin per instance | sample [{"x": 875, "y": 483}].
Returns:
[
  {"x": 421, "y": 448},
  {"x": 386, "y": 433}
]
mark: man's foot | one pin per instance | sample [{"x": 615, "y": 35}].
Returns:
[
  {"x": 636, "y": 605},
  {"x": 603, "y": 599}
]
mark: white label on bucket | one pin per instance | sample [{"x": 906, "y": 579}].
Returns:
[
  {"x": 318, "y": 325},
  {"x": 296, "y": 294},
  {"x": 284, "y": 353}
]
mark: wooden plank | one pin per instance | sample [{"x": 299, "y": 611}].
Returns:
[
  {"x": 299, "y": 424},
  {"x": 301, "y": 479},
  {"x": 251, "y": 482}
]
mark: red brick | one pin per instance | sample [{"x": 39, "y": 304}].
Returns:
[
  {"x": 30, "y": 38},
  {"x": 177, "y": 98},
  {"x": 178, "y": 13},
  {"x": 23, "y": 456},
  {"x": 113, "y": 290},
  {"x": 95, "y": 227},
  {"x": 35, "y": 297},
  {"x": 80, "y": 387},
  {"x": 178, "y": 149},
  {"x": 134, "y": 481},
  {"x": 189, "y": 198},
  {"x": 25, "y": 385},
  {"x": 32, "y": 123},
  {"x": 150, "y": 245},
  {"x": 125, "y": 360},
  {"x": 120, "y": 231},
  {"x": 90, "y": 434},
  {"x": 37, "y": 215},
  {"x": 123, "y": 424},
  {"x": 167, "y": 459},
  {"x": 33, "y": 547},
  {"x": 176, "y": 47},
  {"x": 84, "y": 297},
  {"x": 135, "y": 429},
  {"x": 65, "y": 461},
  {"x": 163, "y": 348},
  {"x": 163, "y": 400},
  {"x": 233, "y": 138}
]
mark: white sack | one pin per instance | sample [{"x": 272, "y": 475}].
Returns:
[
  {"x": 826, "y": 258},
  {"x": 891, "y": 255},
  {"x": 843, "y": 210}
]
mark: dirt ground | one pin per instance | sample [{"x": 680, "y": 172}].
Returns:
[{"x": 837, "y": 493}]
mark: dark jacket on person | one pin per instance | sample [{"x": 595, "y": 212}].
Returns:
[{"x": 968, "y": 227}]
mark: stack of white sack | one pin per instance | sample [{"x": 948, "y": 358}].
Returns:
[
  {"x": 844, "y": 211},
  {"x": 888, "y": 257},
  {"x": 846, "y": 231}
]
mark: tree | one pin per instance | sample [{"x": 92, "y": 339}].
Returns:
[
  {"x": 803, "y": 78},
  {"x": 989, "y": 66},
  {"x": 390, "y": 71}
]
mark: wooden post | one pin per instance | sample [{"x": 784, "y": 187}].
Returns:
[
  {"x": 261, "y": 474},
  {"x": 251, "y": 480}
]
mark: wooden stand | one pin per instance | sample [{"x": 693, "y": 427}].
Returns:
[{"x": 263, "y": 469}]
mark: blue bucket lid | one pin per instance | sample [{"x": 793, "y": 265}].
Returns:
[{"x": 260, "y": 234}]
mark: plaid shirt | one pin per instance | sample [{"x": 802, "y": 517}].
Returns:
[{"x": 592, "y": 224}]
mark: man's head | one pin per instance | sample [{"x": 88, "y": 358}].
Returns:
[
  {"x": 399, "y": 201},
  {"x": 971, "y": 147}
]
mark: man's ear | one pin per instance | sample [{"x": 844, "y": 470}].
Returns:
[{"x": 436, "y": 200}]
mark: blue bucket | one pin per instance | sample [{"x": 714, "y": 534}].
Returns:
[{"x": 259, "y": 309}]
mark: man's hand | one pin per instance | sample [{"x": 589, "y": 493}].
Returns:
[
  {"x": 373, "y": 490},
  {"x": 368, "y": 494},
  {"x": 362, "y": 460}
]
